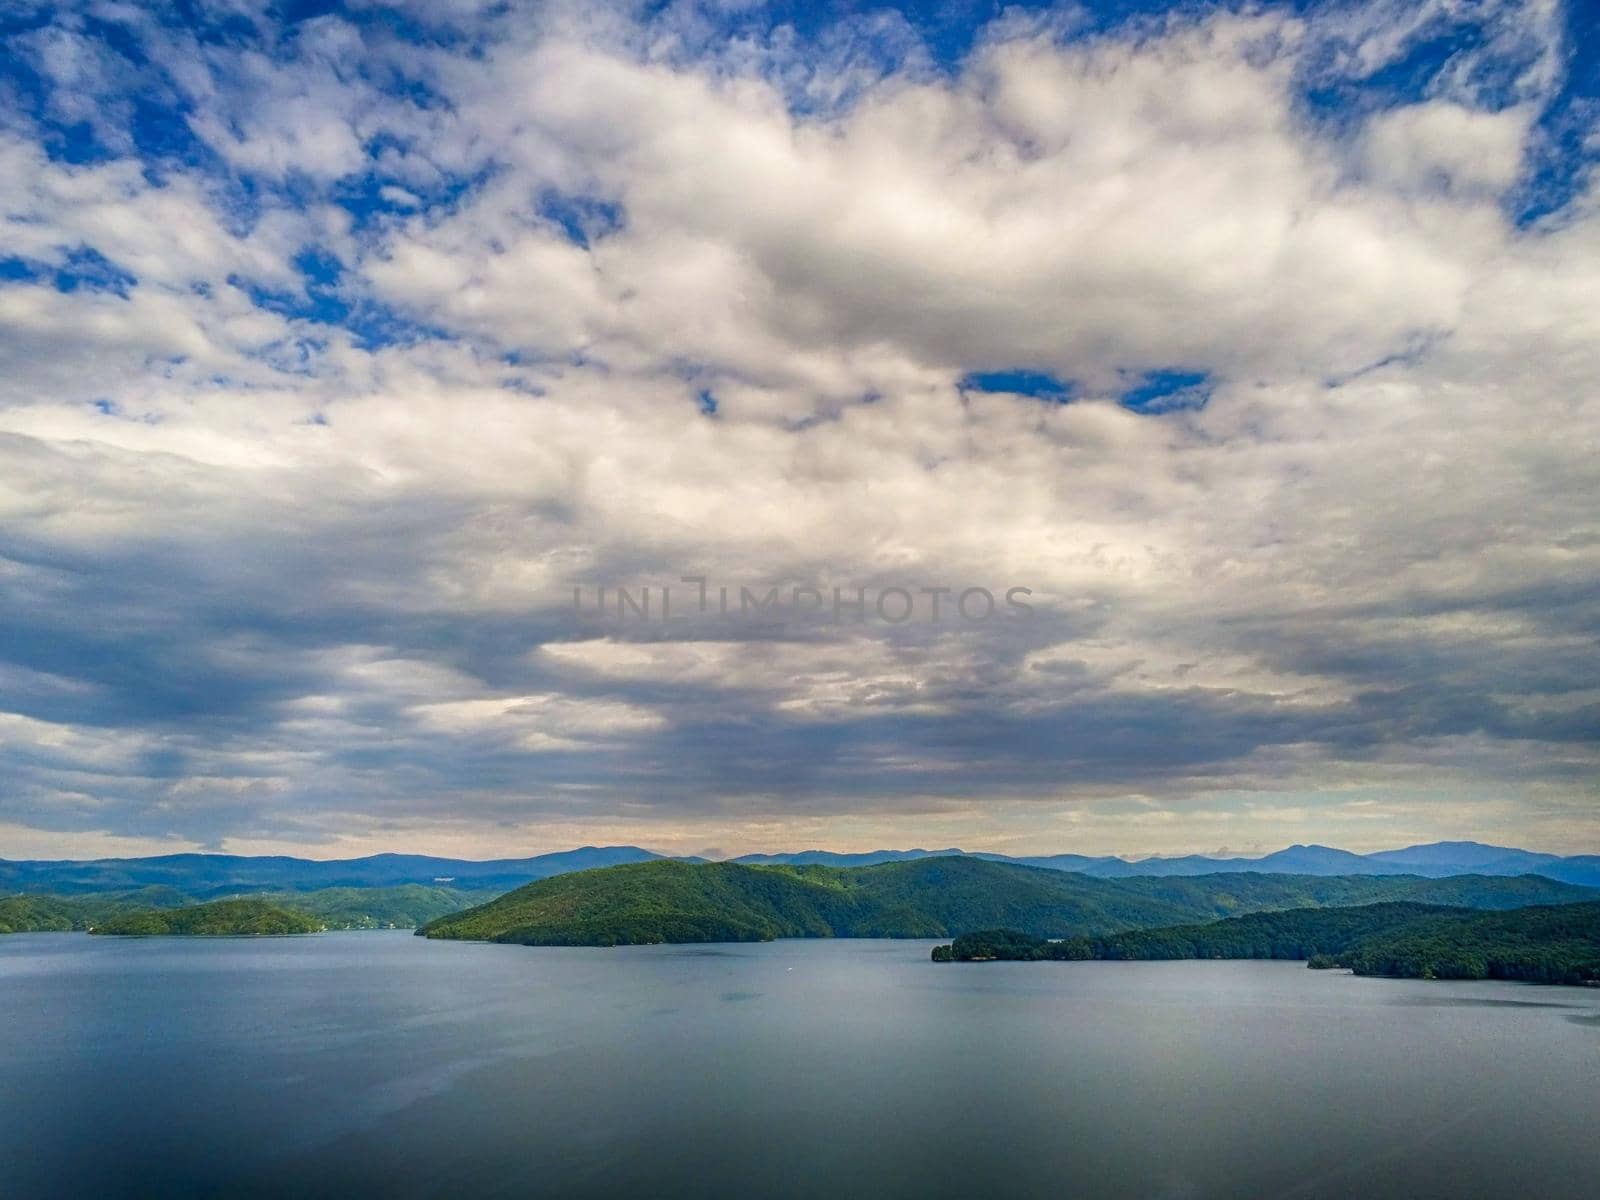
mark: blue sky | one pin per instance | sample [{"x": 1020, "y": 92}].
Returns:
[{"x": 341, "y": 342}]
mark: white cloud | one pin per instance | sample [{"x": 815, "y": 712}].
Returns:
[
  {"x": 283, "y": 581},
  {"x": 540, "y": 722},
  {"x": 1426, "y": 146},
  {"x": 1091, "y": 209}
]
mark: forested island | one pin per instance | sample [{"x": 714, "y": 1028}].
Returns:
[
  {"x": 220, "y": 918},
  {"x": 1541, "y": 944},
  {"x": 674, "y": 901}
]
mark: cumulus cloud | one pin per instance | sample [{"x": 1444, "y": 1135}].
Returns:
[
  {"x": 1042, "y": 207},
  {"x": 324, "y": 391}
]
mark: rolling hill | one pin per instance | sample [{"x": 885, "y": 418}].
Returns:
[
  {"x": 62, "y": 914},
  {"x": 220, "y": 918},
  {"x": 405, "y": 906},
  {"x": 1538, "y": 944},
  {"x": 672, "y": 901},
  {"x": 1544, "y": 944}
]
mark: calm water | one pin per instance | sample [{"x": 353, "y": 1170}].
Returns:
[{"x": 364, "y": 1063}]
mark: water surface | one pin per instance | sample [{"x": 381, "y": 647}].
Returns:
[{"x": 380, "y": 1063}]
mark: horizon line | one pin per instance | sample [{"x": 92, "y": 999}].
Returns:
[{"x": 1224, "y": 855}]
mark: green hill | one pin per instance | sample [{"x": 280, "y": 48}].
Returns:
[
  {"x": 1230, "y": 895},
  {"x": 1559, "y": 944},
  {"x": 39, "y": 914},
  {"x": 672, "y": 901},
  {"x": 403, "y": 907},
  {"x": 220, "y": 918},
  {"x": 1298, "y": 933},
  {"x": 1541, "y": 944},
  {"x": 60, "y": 914}
]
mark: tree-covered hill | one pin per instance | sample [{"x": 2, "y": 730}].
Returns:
[
  {"x": 1229, "y": 895},
  {"x": 1299, "y": 933},
  {"x": 60, "y": 914},
  {"x": 1540, "y": 944},
  {"x": 219, "y": 918},
  {"x": 403, "y": 907},
  {"x": 39, "y": 914},
  {"x": 671, "y": 901},
  {"x": 1559, "y": 944}
]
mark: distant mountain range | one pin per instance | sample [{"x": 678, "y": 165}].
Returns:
[
  {"x": 1435, "y": 860},
  {"x": 202, "y": 875}
]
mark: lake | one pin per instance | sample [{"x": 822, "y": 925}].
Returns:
[{"x": 381, "y": 1063}]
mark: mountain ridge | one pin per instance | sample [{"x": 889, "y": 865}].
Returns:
[
  {"x": 202, "y": 875},
  {"x": 934, "y": 896}
]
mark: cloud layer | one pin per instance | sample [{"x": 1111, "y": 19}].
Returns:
[{"x": 1261, "y": 347}]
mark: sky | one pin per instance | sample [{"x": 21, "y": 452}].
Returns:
[{"x": 348, "y": 352}]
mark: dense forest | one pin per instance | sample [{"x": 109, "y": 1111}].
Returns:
[
  {"x": 1298, "y": 933},
  {"x": 1541, "y": 944},
  {"x": 1259, "y": 892},
  {"x": 60, "y": 914},
  {"x": 1558, "y": 944},
  {"x": 674, "y": 901},
  {"x": 403, "y": 907},
  {"x": 219, "y": 918},
  {"x": 39, "y": 914}
]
